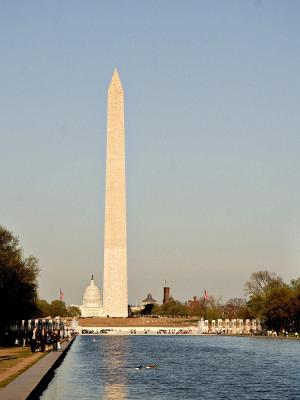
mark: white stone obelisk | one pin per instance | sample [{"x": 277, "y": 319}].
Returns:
[{"x": 115, "y": 295}]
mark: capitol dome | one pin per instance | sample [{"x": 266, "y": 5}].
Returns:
[
  {"x": 91, "y": 305},
  {"x": 91, "y": 296}
]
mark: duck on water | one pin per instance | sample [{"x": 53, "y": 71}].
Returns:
[{"x": 150, "y": 366}]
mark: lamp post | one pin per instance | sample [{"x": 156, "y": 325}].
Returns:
[{"x": 205, "y": 298}]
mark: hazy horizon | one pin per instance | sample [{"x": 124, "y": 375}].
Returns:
[{"x": 212, "y": 122}]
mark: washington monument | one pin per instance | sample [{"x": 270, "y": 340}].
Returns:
[{"x": 115, "y": 296}]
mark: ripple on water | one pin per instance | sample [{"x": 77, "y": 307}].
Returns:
[{"x": 189, "y": 368}]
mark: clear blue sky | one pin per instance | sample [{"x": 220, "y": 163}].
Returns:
[{"x": 212, "y": 135}]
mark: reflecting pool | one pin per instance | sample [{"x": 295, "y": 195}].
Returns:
[{"x": 190, "y": 367}]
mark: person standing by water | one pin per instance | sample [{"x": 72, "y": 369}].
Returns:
[
  {"x": 59, "y": 338},
  {"x": 33, "y": 340},
  {"x": 42, "y": 340},
  {"x": 48, "y": 340},
  {"x": 55, "y": 339}
]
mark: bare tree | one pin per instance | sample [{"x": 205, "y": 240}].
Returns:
[
  {"x": 235, "y": 308},
  {"x": 260, "y": 281}
]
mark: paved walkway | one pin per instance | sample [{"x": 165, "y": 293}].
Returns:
[{"x": 40, "y": 373}]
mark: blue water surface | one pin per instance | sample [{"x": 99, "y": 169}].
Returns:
[{"x": 190, "y": 367}]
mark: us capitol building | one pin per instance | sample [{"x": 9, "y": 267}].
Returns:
[{"x": 91, "y": 305}]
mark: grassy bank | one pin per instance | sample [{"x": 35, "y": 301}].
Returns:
[{"x": 14, "y": 361}]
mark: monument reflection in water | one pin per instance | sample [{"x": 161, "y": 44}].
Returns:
[
  {"x": 94, "y": 368},
  {"x": 114, "y": 361}
]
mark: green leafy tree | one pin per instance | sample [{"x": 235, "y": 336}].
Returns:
[
  {"x": 43, "y": 308},
  {"x": 214, "y": 308},
  {"x": 295, "y": 284},
  {"x": 295, "y": 298},
  {"x": 276, "y": 303},
  {"x": 257, "y": 288},
  {"x": 171, "y": 309},
  {"x": 58, "y": 308},
  {"x": 197, "y": 309},
  {"x": 278, "y": 308},
  {"x": 73, "y": 311},
  {"x": 148, "y": 309},
  {"x": 18, "y": 280},
  {"x": 155, "y": 309}
]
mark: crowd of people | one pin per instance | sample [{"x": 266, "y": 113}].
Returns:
[
  {"x": 42, "y": 339},
  {"x": 139, "y": 331}
]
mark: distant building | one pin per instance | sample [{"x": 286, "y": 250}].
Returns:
[
  {"x": 166, "y": 298},
  {"x": 91, "y": 305},
  {"x": 148, "y": 300},
  {"x": 195, "y": 302},
  {"x": 140, "y": 307}
]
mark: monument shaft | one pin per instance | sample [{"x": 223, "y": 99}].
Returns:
[{"x": 115, "y": 296}]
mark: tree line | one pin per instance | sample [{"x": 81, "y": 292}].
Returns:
[
  {"x": 18, "y": 280},
  {"x": 267, "y": 297},
  {"x": 18, "y": 285},
  {"x": 56, "y": 308}
]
